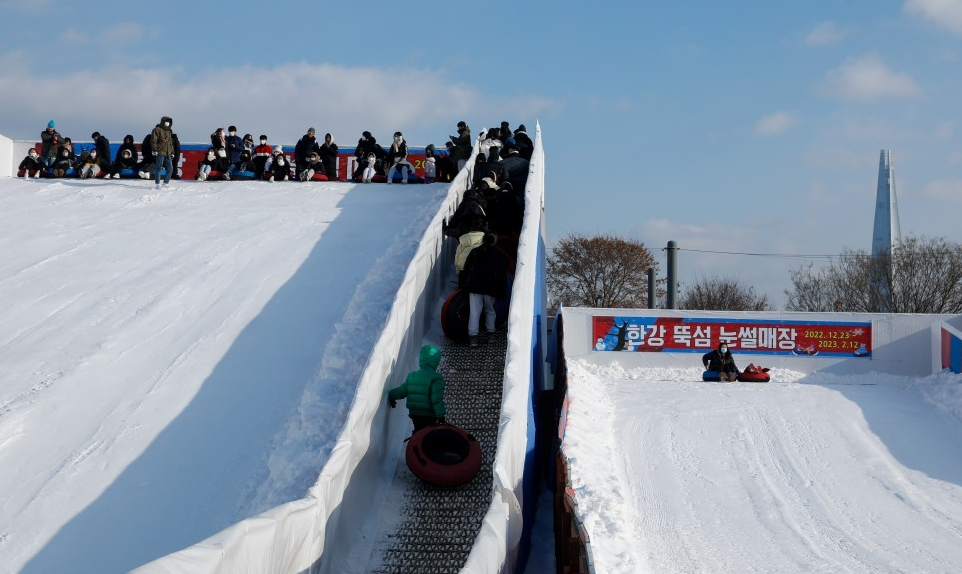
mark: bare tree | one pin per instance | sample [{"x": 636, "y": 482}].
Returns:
[
  {"x": 599, "y": 271},
  {"x": 723, "y": 294},
  {"x": 924, "y": 275}
]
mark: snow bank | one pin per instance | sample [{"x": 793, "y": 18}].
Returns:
[{"x": 826, "y": 473}]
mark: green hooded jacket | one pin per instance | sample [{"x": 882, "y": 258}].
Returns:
[{"x": 423, "y": 388}]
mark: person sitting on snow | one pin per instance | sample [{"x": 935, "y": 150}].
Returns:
[
  {"x": 366, "y": 146},
  {"x": 148, "y": 160},
  {"x": 262, "y": 153},
  {"x": 278, "y": 167},
  {"x": 126, "y": 159},
  {"x": 721, "y": 360},
  {"x": 424, "y": 390},
  {"x": 398, "y": 158},
  {"x": 64, "y": 162},
  {"x": 93, "y": 165},
  {"x": 243, "y": 169},
  {"x": 210, "y": 163},
  {"x": 31, "y": 166},
  {"x": 313, "y": 167}
]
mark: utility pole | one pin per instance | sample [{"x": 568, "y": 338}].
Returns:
[
  {"x": 672, "y": 275},
  {"x": 651, "y": 287}
]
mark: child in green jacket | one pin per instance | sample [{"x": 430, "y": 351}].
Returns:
[{"x": 424, "y": 390}]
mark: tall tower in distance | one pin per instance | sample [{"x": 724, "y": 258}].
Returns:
[{"x": 886, "y": 233}]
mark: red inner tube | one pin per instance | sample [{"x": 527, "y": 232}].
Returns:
[{"x": 443, "y": 455}]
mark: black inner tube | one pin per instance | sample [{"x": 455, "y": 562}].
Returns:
[{"x": 445, "y": 446}]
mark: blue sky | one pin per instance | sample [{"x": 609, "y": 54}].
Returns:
[{"x": 749, "y": 127}]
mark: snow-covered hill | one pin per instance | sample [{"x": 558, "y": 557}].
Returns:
[
  {"x": 813, "y": 473},
  {"x": 173, "y": 361}
]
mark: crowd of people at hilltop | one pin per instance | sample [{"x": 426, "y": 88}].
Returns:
[
  {"x": 486, "y": 223},
  {"x": 231, "y": 156}
]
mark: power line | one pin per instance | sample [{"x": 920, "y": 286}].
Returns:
[{"x": 778, "y": 255}]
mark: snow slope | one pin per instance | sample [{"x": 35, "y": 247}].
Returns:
[
  {"x": 853, "y": 474},
  {"x": 174, "y": 361}
]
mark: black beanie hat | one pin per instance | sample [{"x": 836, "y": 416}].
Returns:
[{"x": 366, "y": 134}]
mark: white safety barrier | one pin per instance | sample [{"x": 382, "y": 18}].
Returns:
[{"x": 902, "y": 344}]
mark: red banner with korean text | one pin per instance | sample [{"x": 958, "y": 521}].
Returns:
[{"x": 752, "y": 336}]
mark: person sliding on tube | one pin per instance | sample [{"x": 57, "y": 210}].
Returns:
[
  {"x": 721, "y": 360},
  {"x": 424, "y": 390}
]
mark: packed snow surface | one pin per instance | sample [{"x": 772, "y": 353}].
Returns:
[
  {"x": 173, "y": 361},
  {"x": 813, "y": 473}
]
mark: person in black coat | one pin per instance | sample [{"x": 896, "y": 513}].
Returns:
[
  {"x": 523, "y": 143},
  {"x": 102, "y": 144},
  {"x": 65, "y": 161},
  {"x": 31, "y": 166},
  {"x": 492, "y": 165},
  {"x": 447, "y": 168},
  {"x": 721, "y": 360},
  {"x": 328, "y": 152},
  {"x": 235, "y": 145},
  {"x": 126, "y": 159},
  {"x": 279, "y": 167},
  {"x": 128, "y": 145},
  {"x": 485, "y": 278},
  {"x": 516, "y": 168},
  {"x": 471, "y": 215},
  {"x": 368, "y": 145},
  {"x": 148, "y": 160},
  {"x": 303, "y": 150}
]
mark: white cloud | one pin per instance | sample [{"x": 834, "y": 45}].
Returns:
[
  {"x": 825, "y": 34},
  {"x": 866, "y": 78},
  {"x": 281, "y": 101},
  {"x": 942, "y": 13},
  {"x": 775, "y": 123}
]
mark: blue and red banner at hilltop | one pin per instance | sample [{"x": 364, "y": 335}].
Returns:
[{"x": 748, "y": 336}]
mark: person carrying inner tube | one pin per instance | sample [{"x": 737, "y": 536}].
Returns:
[
  {"x": 721, "y": 360},
  {"x": 424, "y": 390}
]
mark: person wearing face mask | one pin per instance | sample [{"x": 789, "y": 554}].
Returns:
[
  {"x": 31, "y": 166},
  {"x": 261, "y": 154},
  {"x": 721, "y": 361},
  {"x": 235, "y": 145},
  {"x": 278, "y": 167},
  {"x": 126, "y": 162},
  {"x": 162, "y": 144},
  {"x": 303, "y": 150},
  {"x": 208, "y": 164},
  {"x": 398, "y": 157},
  {"x": 93, "y": 165}
]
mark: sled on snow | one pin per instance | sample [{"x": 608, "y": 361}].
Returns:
[
  {"x": 753, "y": 374},
  {"x": 443, "y": 455}
]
